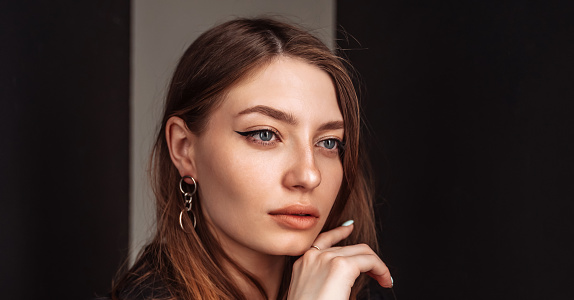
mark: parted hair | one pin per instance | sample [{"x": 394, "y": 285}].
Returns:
[{"x": 180, "y": 265}]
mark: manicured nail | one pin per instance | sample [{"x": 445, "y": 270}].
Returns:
[
  {"x": 348, "y": 223},
  {"x": 392, "y": 281}
]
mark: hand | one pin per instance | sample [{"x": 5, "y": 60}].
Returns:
[{"x": 330, "y": 273}]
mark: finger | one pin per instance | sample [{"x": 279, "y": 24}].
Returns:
[
  {"x": 333, "y": 236},
  {"x": 364, "y": 249},
  {"x": 351, "y": 250},
  {"x": 372, "y": 265}
]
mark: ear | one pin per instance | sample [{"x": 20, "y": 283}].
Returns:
[{"x": 180, "y": 142}]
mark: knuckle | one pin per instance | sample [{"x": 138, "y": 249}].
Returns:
[
  {"x": 378, "y": 260},
  {"x": 309, "y": 254},
  {"x": 340, "y": 263},
  {"x": 374, "y": 256},
  {"x": 328, "y": 255},
  {"x": 365, "y": 247}
]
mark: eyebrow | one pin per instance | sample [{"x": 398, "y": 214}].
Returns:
[
  {"x": 333, "y": 125},
  {"x": 287, "y": 117},
  {"x": 270, "y": 112}
]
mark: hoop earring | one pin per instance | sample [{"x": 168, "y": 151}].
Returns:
[{"x": 187, "y": 197}]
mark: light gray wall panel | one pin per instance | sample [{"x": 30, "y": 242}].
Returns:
[{"x": 161, "y": 30}]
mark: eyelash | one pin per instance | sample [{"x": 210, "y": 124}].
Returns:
[
  {"x": 251, "y": 135},
  {"x": 338, "y": 145}
]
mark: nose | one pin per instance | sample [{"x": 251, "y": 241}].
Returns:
[{"x": 303, "y": 173}]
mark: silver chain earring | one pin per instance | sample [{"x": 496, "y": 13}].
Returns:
[{"x": 187, "y": 197}]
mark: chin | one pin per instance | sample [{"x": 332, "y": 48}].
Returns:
[
  {"x": 291, "y": 247},
  {"x": 296, "y": 252}
]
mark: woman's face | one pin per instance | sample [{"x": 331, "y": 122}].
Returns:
[{"x": 267, "y": 165}]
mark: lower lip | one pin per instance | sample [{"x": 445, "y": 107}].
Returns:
[{"x": 296, "y": 222}]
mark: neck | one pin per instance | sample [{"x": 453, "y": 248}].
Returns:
[{"x": 267, "y": 270}]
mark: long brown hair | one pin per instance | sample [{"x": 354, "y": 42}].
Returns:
[{"x": 180, "y": 265}]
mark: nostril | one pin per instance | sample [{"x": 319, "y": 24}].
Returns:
[{"x": 303, "y": 173}]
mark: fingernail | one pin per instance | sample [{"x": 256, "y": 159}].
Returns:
[
  {"x": 392, "y": 281},
  {"x": 348, "y": 223}
]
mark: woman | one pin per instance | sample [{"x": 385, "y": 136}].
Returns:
[{"x": 255, "y": 168}]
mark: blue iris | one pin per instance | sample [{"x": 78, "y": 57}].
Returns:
[
  {"x": 329, "y": 144},
  {"x": 265, "y": 135}
]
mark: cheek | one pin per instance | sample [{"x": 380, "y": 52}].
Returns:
[
  {"x": 233, "y": 179},
  {"x": 331, "y": 180},
  {"x": 236, "y": 182},
  {"x": 331, "y": 172},
  {"x": 335, "y": 179}
]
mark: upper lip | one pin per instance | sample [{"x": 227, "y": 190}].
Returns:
[{"x": 296, "y": 209}]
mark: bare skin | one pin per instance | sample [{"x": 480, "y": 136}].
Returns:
[
  {"x": 330, "y": 273},
  {"x": 268, "y": 172}
]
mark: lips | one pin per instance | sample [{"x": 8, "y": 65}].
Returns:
[
  {"x": 296, "y": 216},
  {"x": 297, "y": 209}
]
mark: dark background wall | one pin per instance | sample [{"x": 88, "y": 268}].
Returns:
[
  {"x": 64, "y": 124},
  {"x": 470, "y": 105}
]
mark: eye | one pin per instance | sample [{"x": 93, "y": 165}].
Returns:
[
  {"x": 263, "y": 135},
  {"x": 330, "y": 144}
]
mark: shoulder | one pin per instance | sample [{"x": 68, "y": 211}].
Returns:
[
  {"x": 152, "y": 289},
  {"x": 143, "y": 287},
  {"x": 142, "y": 282}
]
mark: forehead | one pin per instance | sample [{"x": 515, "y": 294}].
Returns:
[{"x": 288, "y": 84}]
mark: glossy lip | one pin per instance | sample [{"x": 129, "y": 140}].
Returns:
[{"x": 296, "y": 216}]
